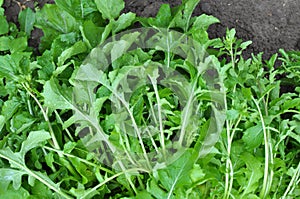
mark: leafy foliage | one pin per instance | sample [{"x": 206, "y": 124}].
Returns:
[{"x": 178, "y": 116}]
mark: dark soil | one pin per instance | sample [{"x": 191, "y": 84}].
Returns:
[{"x": 270, "y": 24}]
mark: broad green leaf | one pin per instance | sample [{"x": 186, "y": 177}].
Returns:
[
  {"x": 12, "y": 193},
  {"x": 33, "y": 140},
  {"x": 61, "y": 43},
  {"x": 156, "y": 190},
  {"x": 144, "y": 195},
  {"x": 39, "y": 190},
  {"x": 26, "y": 20},
  {"x": 244, "y": 45},
  {"x": 10, "y": 107},
  {"x": 9, "y": 67},
  {"x": 110, "y": 9},
  {"x": 18, "y": 44},
  {"x": 295, "y": 136},
  {"x": 79, "y": 9},
  {"x": 47, "y": 66},
  {"x": 10, "y": 175},
  {"x": 177, "y": 174},
  {"x": 196, "y": 174},
  {"x": 253, "y": 173},
  {"x": 54, "y": 21},
  {"x": 253, "y": 136},
  {"x": 57, "y": 97},
  {"x": 51, "y": 16},
  {"x": 77, "y": 48},
  {"x": 92, "y": 33},
  {"x": 182, "y": 18},
  {"x": 232, "y": 114},
  {"x": 163, "y": 17},
  {"x": 123, "y": 22},
  {"x": 294, "y": 103},
  {"x": 204, "y": 21},
  {"x": 4, "y": 43},
  {"x": 21, "y": 122},
  {"x": 3, "y": 25}
]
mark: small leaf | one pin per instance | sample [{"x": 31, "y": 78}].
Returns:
[
  {"x": 244, "y": 45},
  {"x": 204, "y": 21},
  {"x": 26, "y": 20},
  {"x": 253, "y": 173},
  {"x": 77, "y": 48},
  {"x": 163, "y": 17},
  {"x": 12, "y": 193},
  {"x": 10, "y": 175},
  {"x": 92, "y": 33},
  {"x": 253, "y": 136},
  {"x": 3, "y": 25},
  {"x": 33, "y": 139},
  {"x": 124, "y": 21},
  {"x": 110, "y": 9},
  {"x": 4, "y": 43},
  {"x": 232, "y": 114},
  {"x": 57, "y": 97},
  {"x": 294, "y": 103},
  {"x": 18, "y": 45}
]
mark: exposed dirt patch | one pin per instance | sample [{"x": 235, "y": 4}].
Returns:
[{"x": 269, "y": 24}]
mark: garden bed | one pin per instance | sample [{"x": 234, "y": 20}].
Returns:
[{"x": 140, "y": 99}]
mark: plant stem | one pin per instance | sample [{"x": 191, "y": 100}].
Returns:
[
  {"x": 54, "y": 140},
  {"x": 265, "y": 188},
  {"x": 293, "y": 182}
]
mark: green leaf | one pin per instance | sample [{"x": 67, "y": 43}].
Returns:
[
  {"x": 10, "y": 107},
  {"x": 232, "y": 114},
  {"x": 110, "y": 9},
  {"x": 26, "y": 20},
  {"x": 10, "y": 175},
  {"x": 17, "y": 161},
  {"x": 4, "y": 43},
  {"x": 163, "y": 17},
  {"x": 92, "y": 33},
  {"x": 51, "y": 16},
  {"x": 176, "y": 175},
  {"x": 54, "y": 21},
  {"x": 123, "y": 22},
  {"x": 18, "y": 44},
  {"x": 78, "y": 48},
  {"x": 12, "y": 193},
  {"x": 33, "y": 140},
  {"x": 3, "y": 25},
  {"x": 204, "y": 21},
  {"x": 294, "y": 103},
  {"x": 253, "y": 173},
  {"x": 156, "y": 190},
  {"x": 57, "y": 97},
  {"x": 183, "y": 14},
  {"x": 244, "y": 45},
  {"x": 253, "y": 136},
  {"x": 79, "y": 9}
]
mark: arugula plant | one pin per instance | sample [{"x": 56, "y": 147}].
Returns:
[{"x": 92, "y": 117}]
